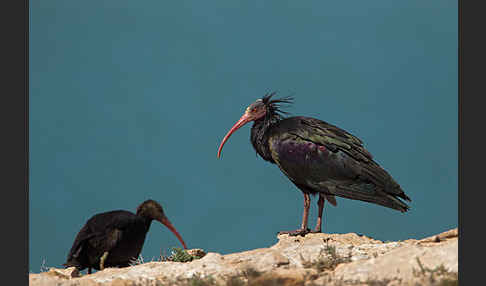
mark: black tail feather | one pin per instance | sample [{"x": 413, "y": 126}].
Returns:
[
  {"x": 375, "y": 174},
  {"x": 369, "y": 193}
]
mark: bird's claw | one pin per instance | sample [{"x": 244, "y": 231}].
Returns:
[{"x": 301, "y": 232}]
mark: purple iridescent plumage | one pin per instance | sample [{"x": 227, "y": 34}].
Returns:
[{"x": 319, "y": 158}]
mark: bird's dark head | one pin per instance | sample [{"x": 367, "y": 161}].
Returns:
[
  {"x": 152, "y": 210},
  {"x": 263, "y": 108}
]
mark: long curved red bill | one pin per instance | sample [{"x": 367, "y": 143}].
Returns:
[
  {"x": 169, "y": 225},
  {"x": 243, "y": 120}
]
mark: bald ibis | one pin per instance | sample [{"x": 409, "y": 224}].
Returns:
[
  {"x": 319, "y": 158},
  {"x": 115, "y": 238}
]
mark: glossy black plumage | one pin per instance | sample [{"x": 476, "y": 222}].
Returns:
[
  {"x": 319, "y": 158},
  {"x": 120, "y": 233}
]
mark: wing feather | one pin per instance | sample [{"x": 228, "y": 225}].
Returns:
[{"x": 320, "y": 157}]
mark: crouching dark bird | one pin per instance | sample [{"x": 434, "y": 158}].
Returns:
[
  {"x": 319, "y": 158},
  {"x": 115, "y": 238}
]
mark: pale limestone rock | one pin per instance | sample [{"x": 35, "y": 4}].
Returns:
[
  {"x": 196, "y": 252},
  {"x": 401, "y": 262},
  {"x": 291, "y": 261},
  {"x": 67, "y": 273}
]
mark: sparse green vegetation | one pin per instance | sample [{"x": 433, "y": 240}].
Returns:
[
  {"x": 249, "y": 277},
  {"x": 439, "y": 276},
  {"x": 328, "y": 259},
  {"x": 196, "y": 280},
  {"x": 180, "y": 255},
  {"x": 318, "y": 271},
  {"x": 177, "y": 255}
]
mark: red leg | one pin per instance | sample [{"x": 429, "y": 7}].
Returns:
[
  {"x": 305, "y": 217},
  {"x": 320, "y": 204}
]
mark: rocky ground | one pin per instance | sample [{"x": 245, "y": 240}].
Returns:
[{"x": 316, "y": 259}]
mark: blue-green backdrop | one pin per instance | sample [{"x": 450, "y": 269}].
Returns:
[{"x": 130, "y": 99}]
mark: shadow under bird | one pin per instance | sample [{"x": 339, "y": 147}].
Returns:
[
  {"x": 319, "y": 158},
  {"x": 115, "y": 238}
]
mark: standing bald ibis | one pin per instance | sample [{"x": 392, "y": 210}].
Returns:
[
  {"x": 319, "y": 158},
  {"x": 115, "y": 238}
]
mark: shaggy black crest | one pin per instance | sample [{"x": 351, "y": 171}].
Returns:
[
  {"x": 319, "y": 158},
  {"x": 274, "y": 106}
]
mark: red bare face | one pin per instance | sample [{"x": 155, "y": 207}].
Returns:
[{"x": 253, "y": 112}]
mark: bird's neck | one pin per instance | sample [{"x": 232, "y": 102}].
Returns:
[
  {"x": 147, "y": 221},
  {"x": 260, "y": 132}
]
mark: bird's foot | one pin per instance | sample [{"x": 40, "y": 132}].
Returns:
[
  {"x": 315, "y": 231},
  {"x": 301, "y": 232}
]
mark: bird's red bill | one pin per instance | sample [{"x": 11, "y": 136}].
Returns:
[
  {"x": 169, "y": 225},
  {"x": 243, "y": 120}
]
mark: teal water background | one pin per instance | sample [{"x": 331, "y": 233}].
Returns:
[{"x": 129, "y": 100}]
